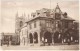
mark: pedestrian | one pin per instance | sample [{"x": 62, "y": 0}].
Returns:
[
  {"x": 68, "y": 38},
  {"x": 7, "y": 43},
  {"x": 69, "y": 42}
]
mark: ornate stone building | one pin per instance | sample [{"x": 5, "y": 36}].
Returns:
[
  {"x": 47, "y": 26},
  {"x": 19, "y": 27}
]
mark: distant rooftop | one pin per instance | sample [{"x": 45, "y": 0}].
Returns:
[{"x": 9, "y": 33}]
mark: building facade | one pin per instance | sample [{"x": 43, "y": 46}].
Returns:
[
  {"x": 76, "y": 31},
  {"x": 6, "y": 38},
  {"x": 19, "y": 22},
  {"x": 23, "y": 35},
  {"x": 46, "y": 27}
]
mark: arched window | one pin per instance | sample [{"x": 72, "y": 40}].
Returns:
[
  {"x": 35, "y": 24},
  {"x": 21, "y": 23}
]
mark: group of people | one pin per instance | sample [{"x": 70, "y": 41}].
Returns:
[{"x": 69, "y": 37}]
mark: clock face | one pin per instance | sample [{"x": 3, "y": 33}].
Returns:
[{"x": 57, "y": 10}]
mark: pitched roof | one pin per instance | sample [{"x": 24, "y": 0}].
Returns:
[{"x": 67, "y": 18}]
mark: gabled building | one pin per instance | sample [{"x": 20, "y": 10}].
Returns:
[
  {"x": 6, "y": 38},
  {"x": 47, "y": 26}
]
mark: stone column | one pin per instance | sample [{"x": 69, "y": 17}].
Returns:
[
  {"x": 39, "y": 38},
  {"x": 33, "y": 39},
  {"x": 28, "y": 39},
  {"x": 62, "y": 41},
  {"x": 52, "y": 39}
]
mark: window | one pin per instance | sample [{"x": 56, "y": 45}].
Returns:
[
  {"x": 38, "y": 13},
  {"x": 21, "y": 23},
  {"x": 47, "y": 13},
  {"x": 35, "y": 24},
  {"x": 52, "y": 24},
  {"x": 57, "y": 16},
  {"x": 30, "y": 26},
  {"x": 33, "y": 15},
  {"x": 48, "y": 24},
  {"x": 22, "y": 32},
  {"x": 70, "y": 25},
  {"x": 66, "y": 24},
  {"x": 44, "y": 12},
  {"x": 31, "y": 37},
  {"x": 58, "y": 25}
]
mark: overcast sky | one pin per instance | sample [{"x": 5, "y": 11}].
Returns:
[{"x": 9, "y": 8}]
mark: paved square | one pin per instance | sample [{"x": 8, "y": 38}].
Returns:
[{"x": 54, "y": 47}]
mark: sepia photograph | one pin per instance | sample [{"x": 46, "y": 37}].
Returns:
[{"x": 39, "y": 25}]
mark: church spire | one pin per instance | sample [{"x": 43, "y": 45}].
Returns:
[{"x": 57, "y": 7}]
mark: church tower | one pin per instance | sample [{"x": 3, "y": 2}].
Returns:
[{"x": 19, "y": 22}]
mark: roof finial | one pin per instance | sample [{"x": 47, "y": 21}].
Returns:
[{"x": 57, "y": 6}]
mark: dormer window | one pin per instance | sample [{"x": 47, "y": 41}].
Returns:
[
  {"x": 44, "y": 12},
  {"x": 48, "y": 14},
  {"x": 33, "y": 15},
  {"x": 38, "y": 13},
  {"x": 65, "y": 15}
]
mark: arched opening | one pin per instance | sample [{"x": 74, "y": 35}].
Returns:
[
  {"x": 57, "y": 37},
  {"x": 31, "y": 38},
  {"x": 67, "y": 37},
  {"x": 48, "y": 37},
  {"x": 35, "y": 37},
  {"x": 76, "y": 36},
  {"x": 21, "y": 23}
]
